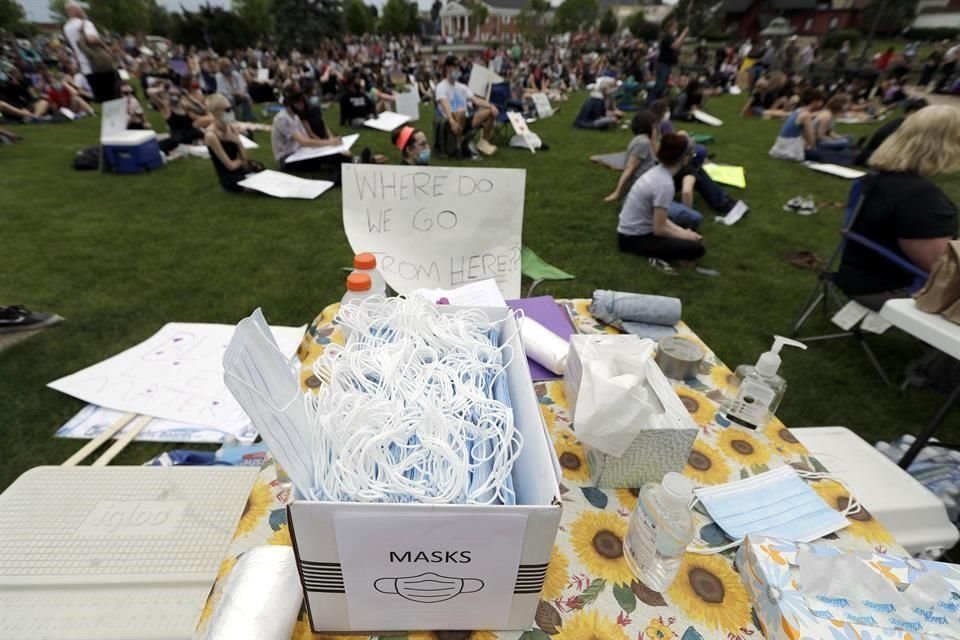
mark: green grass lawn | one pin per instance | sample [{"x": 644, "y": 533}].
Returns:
[{"x": 119, "y": 256}]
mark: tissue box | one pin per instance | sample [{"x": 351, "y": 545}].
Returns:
[
  {"x": 769, "y": 568},
  {"x": 395, "y": 567},
  {"x": 662, "y": 445}
]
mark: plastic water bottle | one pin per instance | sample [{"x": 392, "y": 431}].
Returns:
[
  {"x": 359, "y": 287},
  {"x": 367, "y": 263},
  {"x": 660, "y": 529}
]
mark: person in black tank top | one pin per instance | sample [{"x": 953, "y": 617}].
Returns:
[
  {"x": 226, "y": 152},
  {"x": 184, "y": 127}
]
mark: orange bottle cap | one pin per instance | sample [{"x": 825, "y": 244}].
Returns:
[
  {"x": 359, "y": 282},
  {"x": 364, "y": 261}
]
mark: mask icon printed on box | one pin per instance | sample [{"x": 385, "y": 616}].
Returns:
[{"x": 428, "y": 587}]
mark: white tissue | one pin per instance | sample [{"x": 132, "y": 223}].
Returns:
[
  {"x": 844, "y": 587},
  {"x": 544, "y": 346},
  {"x": 261, "y": 599},
  {"x": 613, "y": 404}
]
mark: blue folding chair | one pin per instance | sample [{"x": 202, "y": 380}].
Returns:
[
  {"x": 827, "y": 291},
  {"x": 500, "y": 97}
]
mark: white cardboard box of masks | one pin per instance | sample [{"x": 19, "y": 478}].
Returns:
[{"x": 396, "y": 567}]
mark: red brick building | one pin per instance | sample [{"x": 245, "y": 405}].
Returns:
[{"x": 746, "y": 18}]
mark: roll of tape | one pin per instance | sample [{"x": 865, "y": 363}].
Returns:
[
  {"x": 544, "y": 346},
  {"x": 679, "y": 358}
]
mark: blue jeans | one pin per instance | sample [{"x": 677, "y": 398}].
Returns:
[
  {"x": 835, "y": 144},
  {"x": 663, "y": 74},
  {"x": 714, "y": 195},
  {"x": 600, "y": 123},
  {"x": 682, "y": 215}
]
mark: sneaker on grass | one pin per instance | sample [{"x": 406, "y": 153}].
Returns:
[
  {"x": 485, "y": 147},
  {"x": 19, "y": 318}
]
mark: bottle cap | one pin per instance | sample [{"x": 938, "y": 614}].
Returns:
[
  {"x": 364, "y": 261},
  {"x": 769, "y": 362},
  {"x": 358, "y": 282},
  {"x": 677, "y": 489}
]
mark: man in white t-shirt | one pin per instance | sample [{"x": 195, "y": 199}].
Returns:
[
  {"x": 105, "y": 85},
  {"x": 463, "y": 110}
]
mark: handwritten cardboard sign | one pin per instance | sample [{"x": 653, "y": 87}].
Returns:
[
  {"x": 437, "y": 226},
  {"x": 520, "y": 126}
]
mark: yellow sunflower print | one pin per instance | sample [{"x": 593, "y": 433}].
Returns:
[
  {"x": 741, "y": 447},
  {"x": 597, "y": 538},
  {"x": 302, "y": 632},
  {"x": 549, "y": 417},
  {"x": 573, "y": 459},
  {"x": 590, "y": 625},
  {"x": 783, "y": 440},
  {"x": 706, "y": 465},
  {"x": 708, "y": 591},
  {"x": 723, "y": 380},
  {"x": 628, "y": 498},
  {"x": 308, "y": 381},
  {"x": 656, "y": 630},
  {"x": 557, "y": 575},
  {"x": 280, "y": 537},
  {"x": 862, "y": 523},
  {"x": 258, "y": 504},
  {"x": 225, "y": 568},
  {"x": 701, "y": 409}
]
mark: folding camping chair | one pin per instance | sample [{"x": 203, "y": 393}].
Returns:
[
  {"x": 538, "y": 270},
  {"x": 827, "y": 293}
]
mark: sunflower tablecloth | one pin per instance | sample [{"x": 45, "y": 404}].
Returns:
[{"x": 589, "y": 592}]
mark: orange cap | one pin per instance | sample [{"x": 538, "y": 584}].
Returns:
[
  {"x": 364, "y": 261},
  {"x": 359, "y": 282}
]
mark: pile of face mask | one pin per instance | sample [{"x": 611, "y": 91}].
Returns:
[{"x": 416, "y": 408}]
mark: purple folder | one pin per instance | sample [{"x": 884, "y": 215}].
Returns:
[{"x": 546, "y": 311}]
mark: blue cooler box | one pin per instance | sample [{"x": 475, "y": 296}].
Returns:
[{"x": 132, "y": 151}]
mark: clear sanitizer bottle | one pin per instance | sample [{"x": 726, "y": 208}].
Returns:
[
  {"x": 660, "y": 529},
  {"x": 759, "y": 389}
]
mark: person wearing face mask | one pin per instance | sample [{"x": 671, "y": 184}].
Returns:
[
  {"x": 60, "y": 96},
  {"x": 184, "y": 127},
  {"x": 291, "y": 131},
  {"x": 135, "y": 116},
  {"x": 229, "y": 158},
  {"x": 463, "y": 111},
  {"x": 356, "y": 105},
  {"x": 413, "y": 145},
  {"x": 230, "y": 83}
]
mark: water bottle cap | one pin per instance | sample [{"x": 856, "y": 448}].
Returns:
[
  {"x": 677, "y": 489},
  {"x": 359, "y": 282},
  {"x": 364, "y": 261}
]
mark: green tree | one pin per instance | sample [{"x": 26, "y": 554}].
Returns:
[
  {"x": 302, "y": 24},
  {"x": 479, "y": 13},
  {"x": 357, "y": 17},
  {"x": 374, "y": 12},
  {"x": 413, "y": 17},
  {"x": 574, "y": 15},
  {"x": 11, "y": 14},
  {"x": 701, "y": 17},
  {"x": 57, "y": 10},
  {"x": 257, "y": 15},
  {"x": 532, "y": 19},
  {"x": 161, "y": 23},
  {"x": 395, "y": 17},
  {"x": 120, "y": 16},
  {"x": 642, "y": 28},
  {"x": 890, "y": 16},
  {"x": 210, "y": 27},
  {"x": 608, "y": 23}
]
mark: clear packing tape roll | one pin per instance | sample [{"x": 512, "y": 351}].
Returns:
[
  {"x": 261, "y": 599},
  {"x": 544, "y": 346}
]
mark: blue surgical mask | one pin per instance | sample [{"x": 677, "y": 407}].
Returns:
[
  {"x": 776, "y": 503},
  {"x": 455, "y": 76},
  {"x": 423, "y": 157},
  {"x": 314, "y": 101}
]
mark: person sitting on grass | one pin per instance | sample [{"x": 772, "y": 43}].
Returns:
[
  {"x": 641, "y": 152},
  {"x": 770, "y": 97},
  {"x": 830, "y": 146},
  {"x": 60, "y": 95},
  {"x": 644, "y": 225},
  {"x": 464, "y": 111},
  {"x": 136, "y": 119},
  {"x": 185, "y": 127},
  {"x": 413, "y": 145},
  {"x": 18, "y": 100},
  {"x": 911, "y": 106},
  {"x": 356, "y": 105},
  {"x": 797, "y": 135},
  {"x": 290, "y": 134},
  {"x": 902, "y": 209},
  {"x": 230, "y": 83},
  {"x": 229, "y": 158},
  {"x": 599, "y": 111}
]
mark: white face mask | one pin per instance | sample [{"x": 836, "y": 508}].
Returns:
[
  {"x": 666, "y": 116},
  {"x": 428, "y": 587},
  {"x": 229, "y": 117},
  {"x": 776, "y": 503}
]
